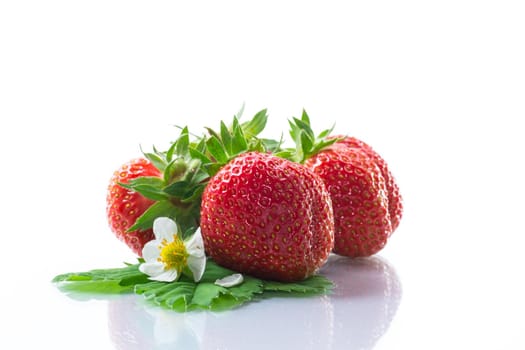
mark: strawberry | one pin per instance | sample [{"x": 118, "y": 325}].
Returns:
[
  {"x": 170, "y": 183},
  {"x": 360, "y": 203},
  {"x": 395, "y": 204},
  {"x": 124, "y": 205},
  {"x": 267, "y": 217},
  {"x": 365, "y": 198}
]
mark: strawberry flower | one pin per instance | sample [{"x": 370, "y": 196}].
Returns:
[{"x": 168, "y": 255}]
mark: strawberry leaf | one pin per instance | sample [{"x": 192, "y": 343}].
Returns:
[
  {"x": 311, "y": 286},
  {"x": 205, "y": 293},
  {"x": 185, "y": 294}
]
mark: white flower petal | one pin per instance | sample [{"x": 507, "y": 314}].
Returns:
[
  {"x": 151, "y": 250},
  {"x": 151, "y": 269},
  {"x": 197, "y": 265},
  {"x": 195, "y": 245},
  {"x": 166, "y": 276},
  {"x": 230, "y": 281},
  {"x": 164, "y": 228}
]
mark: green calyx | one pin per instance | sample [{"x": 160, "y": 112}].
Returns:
[
  {"x": 189, "y": 163},
  {"x": 307, "y": 144}
]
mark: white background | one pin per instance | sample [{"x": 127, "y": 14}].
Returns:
[{"x": 438, "y": 88}]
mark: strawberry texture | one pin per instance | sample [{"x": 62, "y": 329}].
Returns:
[
  {"x": 124, "y": 206},
  {"x": 395, "y": 203},
  {"x": 359, "y": 198},
  {"x": 267, "y": 217}
]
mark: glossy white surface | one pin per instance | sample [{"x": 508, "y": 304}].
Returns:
[{"x": 436, "y": 88}]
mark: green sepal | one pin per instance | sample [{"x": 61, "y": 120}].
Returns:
[
  {"x": 256, "y": 125},
  {"x": 175, "y": 170},
  {"x": 158, "y": 209},
  {"x": 272, "y": 146},
  {"x": 177, "y": 189},
  {"x": 148, "y": 186},
  {"x": 226, "y": 138},
  {"x": 239, "y": 144},
  {"x": 216, "y": 150},
  {"x": 157, "y": 160},
  {"x": 198, "y": 154},
  {"x": 306, "y": 143}
]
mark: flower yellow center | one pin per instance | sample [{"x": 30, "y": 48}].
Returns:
[{"x": 173, "y": 254}]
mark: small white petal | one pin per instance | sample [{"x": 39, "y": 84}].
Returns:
[
  {"x": 151, "y": 250},
  {"x": 197, "y": 265},
  {"x": 230, "y": 281},
  {"x": 195, "y": 245},
  {"x": 166, "y": 276},
  {"x": 164, "y": 228},
  {"x": 152, "y": 268}
]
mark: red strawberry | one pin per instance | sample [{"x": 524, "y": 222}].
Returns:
[
  {"x": 124, "y": 206},
  {"x": 395, "y": 204},
  {"x": 267, "y": 217},
  {"x": 359, "y": 198}
]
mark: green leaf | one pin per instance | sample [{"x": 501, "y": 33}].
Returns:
[
  {"x": 305, "y": 118},
  {"x": 198, "y": 154},
  {"x": 205, "y": 293},
  {"x": 157, "y": 161},
  {"x": 177, "y": 189},
  {"x": 306, "y": 142},
  {"x": 183, "y": 142},
  {"x": 273, "y": 146},
  {"x": 248, "y": 288},
  {"x": 145, "y": 221},
  {"x": 105, "y": 281},
  {"x": 175, "y": 170},
  {"x": 325, "y": 133},
  {"x": 212, "y": 169},
  {"x": 239, "y": 144},
  {"x": 185, "y": 294},
  {"x": 256, "y": 125},
  {"x": 148, "y": 186},
  {"x": 193, "y": 195},
  {"x": 286, "y": 154},
  {"x": 321, "y": 145},
  {"x": 174, "y": 295},
  {"x": 314, "y": 285},
  {"x": 226, "y": 137},
  {"x": 152, "y": 181},
  {"x": 216, "y": 149},
  {"x": 304, "y": 126},
  {"x": 214, "y": 272},
  {"x": 294, "y": 131}
]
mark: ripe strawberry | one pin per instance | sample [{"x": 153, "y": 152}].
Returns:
[
  {"x": 268, "y": 217},
  {"x": 124, "y": 206},
  {"x": 359, "y": 197},
  {"x": 395, "y": 204}
]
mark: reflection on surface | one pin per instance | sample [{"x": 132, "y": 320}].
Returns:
[
  {"x": 366, "y": 298},
  {"x": 354, "y": 316}
]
